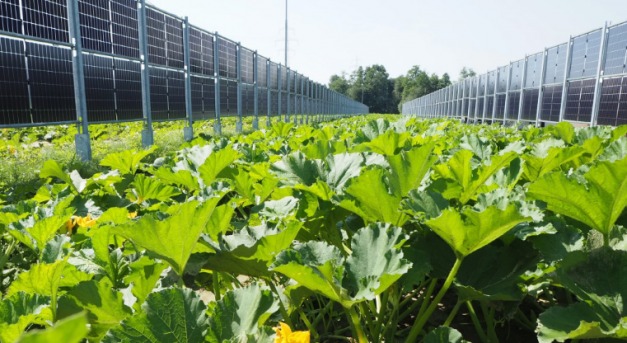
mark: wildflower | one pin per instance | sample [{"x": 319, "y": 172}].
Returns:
[
  {"x": 132, "y": 215},
  {"x": 284, "y": 334}
]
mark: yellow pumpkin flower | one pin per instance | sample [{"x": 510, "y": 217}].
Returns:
[
  {"x": 132, "y": 215},
  {"x": 284, "y": 334},
  {"x": 86, "y": 221},
  {"x": 75, "y": 221}
]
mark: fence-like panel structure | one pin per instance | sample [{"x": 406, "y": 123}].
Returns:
[
  {"x": 103, "y": 61},
  {"x": 583, "y": 81}
]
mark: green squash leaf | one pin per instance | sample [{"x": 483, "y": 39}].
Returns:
[
  {"x": 316, "y": 266},
  {"x": 537, "y": 166},
  {"x": 409, "y": 168},
  {"x": 295, "y": 169},
  {"x": 577, "y": 321},
  {"x": 240, "y": 313},
  {"x": 69, "y": 330},
  {"x": 42, "y": 279},
  {"x": 143, "y": 277},
  {"x": 104, "y": 305},
  {"x": 597, "y": 204},
  {"x": 372, "y": 201},
  {"x": 376, "y": 261},
  {"x": 250, "y": 250},
  {"x": 172, "y": 239},
  {"x": 469, "y": 231},
  {"x": 51, "y": 168},
  {"x": 171, "y": 315},
  {"x": 20, "y": 311},
  {"x": 216, "y": 163},
  {"x": 127, "y": 162},
  {"x": 145, "y": 188}
]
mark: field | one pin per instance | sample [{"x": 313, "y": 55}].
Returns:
[{"x": 367, "y": 229}]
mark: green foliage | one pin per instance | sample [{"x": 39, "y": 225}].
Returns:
[
  {"x": 598, "y": 203},
  {"x": 241, "y": 315},
  {"x": 170, "y": 315},
  {"x": 365, "y": 229}
]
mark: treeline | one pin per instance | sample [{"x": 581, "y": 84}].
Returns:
[{"x": 373, "y": 86}]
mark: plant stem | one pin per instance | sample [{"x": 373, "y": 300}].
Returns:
[
  {"x": 358, "y": 330},
  {"x": 453, "y": 313},
  {"x": 216, "y": 285},
  {"x": 427, "y": 297},
  {"x": 422, "y": 320},
  {"x": 475, "y": 322},
  {"x": 282, "y": 308},
  {"x": 489, "y": 316},
  {"x": 5, "y": 258}
]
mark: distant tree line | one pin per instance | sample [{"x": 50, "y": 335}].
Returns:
[{"x": 373, "y": 86}]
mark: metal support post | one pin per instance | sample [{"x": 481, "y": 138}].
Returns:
[
  {"x": 217, "y": 127},
  {"x": 302, "y": 98},
  {"x": 565, "y": 83},
  {"x": 598, "y": 89},
  {"x": 485, "y": 98},
  {"x": 288, "y": 74},
  {"x": 147, "y": 134},
  {"x": 474, "y": 120},
  {"x": 269, "y": 94},
  {"x": 507, "y": 86},
  {"x": 496, "y": 87},
  {"x": 256, "y": 91},
  {"x": 522, "y": 88},
  {"x": 280, "y": 98},
  {"x": 238, "y": 58},
  {"x": 541, "y": 86},
  {"x": 81, "y": 140},
  {"x": 461, "y": 113},
  {"x": 188, "y": 131}
]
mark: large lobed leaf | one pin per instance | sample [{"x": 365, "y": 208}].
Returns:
[
  {"x": 597, "y": 204},
  {"x": 241, "y": 314},
  {"x": 174, "y": 238},
  {"x": 171, "y": 315},
  {"x": 375, "y": 263},
  {"x": 69, "y": 330},
  {"x": 469, "y": 231},
  {"x": 599, "y": 279}
]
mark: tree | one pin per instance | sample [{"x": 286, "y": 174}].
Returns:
[
  {"x": 339, "y": 83},
  {"x": 417, "y": 83},
  {"x": 466, "y": 72}
]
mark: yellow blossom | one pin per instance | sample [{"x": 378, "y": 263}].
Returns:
[
  {"x": 132, "y": 215},
  {"x": 284, "y": 334},
  {"x": 75, "y": 221},
  {"x": 86, "y": 221}
]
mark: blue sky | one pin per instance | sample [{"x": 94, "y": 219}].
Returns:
[{"x": 331, "y": 36}]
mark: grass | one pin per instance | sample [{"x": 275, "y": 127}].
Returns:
[{"x": 23, "y": 151}]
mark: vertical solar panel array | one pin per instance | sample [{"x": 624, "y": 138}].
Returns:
[
  {"x": 202, "y": 71},
  {"x": 515, "y": 86},
  {"x": 37, "y": 71},
  {"x": 124, "y": 28},
  {"x": 13, "y": 83},
  {"x": 613, "y": 107},
  {"x": 128, "y": 95},
  {"x": 51, "y": 83},
  {"x": 274, "y": 88},
  {"x": 45, "y": 19},
  {"x": 582, "y": 81},
  {"x": 99, "y": 87},
  {"x": 262, "y": 84}
]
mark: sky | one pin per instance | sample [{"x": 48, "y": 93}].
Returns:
[{"x": 328, "y": 37}]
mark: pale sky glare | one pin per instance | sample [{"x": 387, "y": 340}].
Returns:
[{"x": 333, "y": 36}]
